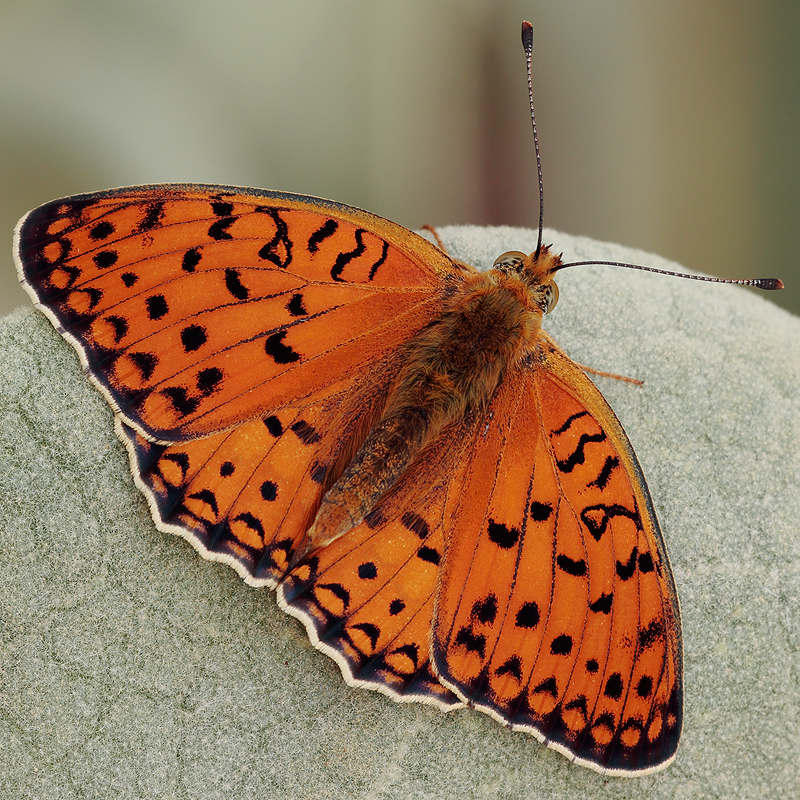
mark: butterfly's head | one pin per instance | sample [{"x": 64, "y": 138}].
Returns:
[{"x": 536, "y": 270}]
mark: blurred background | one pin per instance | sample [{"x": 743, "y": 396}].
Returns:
[{"x": 669, "y": 126}]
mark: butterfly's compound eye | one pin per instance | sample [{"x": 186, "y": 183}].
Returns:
[
  {"x": 550, "y": 296},
  {"x": 509, "y": 261}
]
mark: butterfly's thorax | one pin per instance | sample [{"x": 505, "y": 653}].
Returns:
[{"x": 452, "y": 368}]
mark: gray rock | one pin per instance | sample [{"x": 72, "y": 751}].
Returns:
[{"x": 131, "y": 668}]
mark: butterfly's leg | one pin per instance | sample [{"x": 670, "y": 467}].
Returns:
[{"x": 613, "y": 375}]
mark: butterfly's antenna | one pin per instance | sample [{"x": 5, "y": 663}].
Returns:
[
  {"x": 527, "y": 43},
  {"x": 758, "y": 283}
]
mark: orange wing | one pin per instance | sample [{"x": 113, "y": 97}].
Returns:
[
  {"x": 246, "y": 496},
  {"x": 367, "y": 598},
  {"x": 556, "y": 611},
  {"x": 195, "y": 308},
  {"x": 519, "y": 562}
]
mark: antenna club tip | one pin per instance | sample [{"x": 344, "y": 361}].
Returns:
[
  {"x": 766, "y": 284},
  {"x": 527, "y": 36}
]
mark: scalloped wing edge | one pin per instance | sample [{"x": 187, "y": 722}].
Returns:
[{"x": 344, "y": 667}]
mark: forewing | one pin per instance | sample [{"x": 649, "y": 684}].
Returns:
[
  {"x": 556, "y": 611},
  {"x": 196, "y": 308}
]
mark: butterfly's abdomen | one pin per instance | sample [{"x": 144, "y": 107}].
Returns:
[{"x": 452, "y": 368}]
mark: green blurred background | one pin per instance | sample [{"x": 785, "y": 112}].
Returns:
[{"x": 670, "y": 126}]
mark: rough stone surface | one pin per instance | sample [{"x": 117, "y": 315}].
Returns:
[{"x": 130, "y": 668}]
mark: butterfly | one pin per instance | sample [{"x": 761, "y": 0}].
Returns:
[
  {"x": 335, "y": 407},
  {"x": 340, "y": 410}
]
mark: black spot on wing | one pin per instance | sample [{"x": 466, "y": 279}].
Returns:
[
  {"x": 233, "y": 283},
  {"x": 101, "y": 231},
  {"x": 295, "y": 306},
  {"x": 156, "y": 306},
  {"x": 653, "y": 633},
  {"x": 328, "y": 228},
  {"x": 528, "y": 615},
  {"x": 191, "y": 258},
  {"x": 540, "y": 512},
  {"x": 305, "y": 432},
  {"x": 269, "y": 491},
  {"x": 153, "y": 215},
  {"x": 367, "y": 571},
  {"x": 485, "y": 611},
  {"x": 561, "y": 645},
  {"x": 227, "y": 469},
  {"x": 614, "y": 686},
  {"x": 208, "y": 380},
  {"x": 428, "y": 554},
  {"x": 193, "y": 337},
  {"x": 278, "y": 351},
  {"x": 625, "y": 570},
  {"x": 105, "y": 259},
  {"x": 646, "y": 563},
  {"x": 396, "y": 606},
  {"x": 343, "y": 259},
  {"x": 129, "y": 278},
  {"x": 415, "y": 524},
  {"x": 273, "y": 425},
  {"x": 218, "y": 230},
  {"x": 503, "y": 536},
  {"x": 603, "y": 604},
  {"x": 566, "y": 564}
]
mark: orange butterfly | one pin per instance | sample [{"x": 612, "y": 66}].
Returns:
[{"x": 335, "y": 407}]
